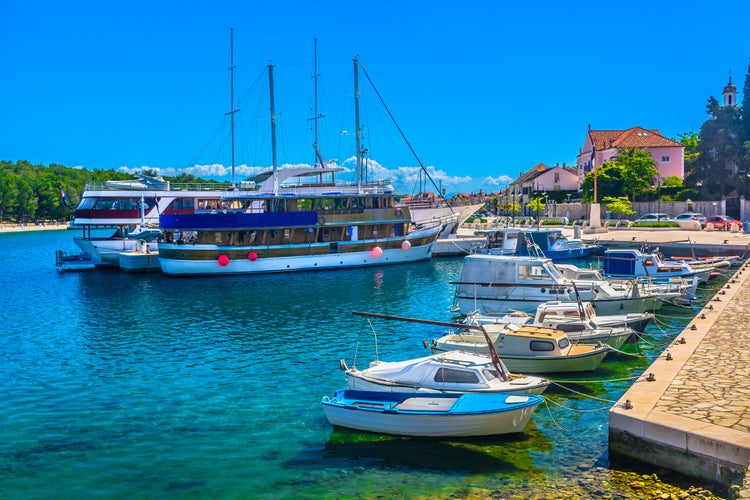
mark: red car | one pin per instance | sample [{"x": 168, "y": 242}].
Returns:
[{"x": 723, "y": 222}]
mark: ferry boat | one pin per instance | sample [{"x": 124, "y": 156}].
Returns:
[{"x": 309, "y": 223}]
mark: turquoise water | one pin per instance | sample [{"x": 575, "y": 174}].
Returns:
[{"x": 122, "y": 385}]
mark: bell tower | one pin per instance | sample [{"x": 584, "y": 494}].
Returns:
[{"x": 730, "y": 94}]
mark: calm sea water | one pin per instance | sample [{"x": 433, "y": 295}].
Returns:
[{"x": 123, "y": 385}]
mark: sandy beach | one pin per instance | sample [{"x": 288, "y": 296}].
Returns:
[{"x": 7, "y": 227}]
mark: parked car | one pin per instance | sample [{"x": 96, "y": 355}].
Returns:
[
  {"x": 655, "y": 217},
  {"x": 723, "y": 222},
  {"x": 693, "y": 216}
]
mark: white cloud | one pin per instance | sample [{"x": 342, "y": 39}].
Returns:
[{"x": 406, "y": 179}]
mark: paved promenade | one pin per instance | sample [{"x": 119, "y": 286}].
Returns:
[{"x": 690, "y": 410}]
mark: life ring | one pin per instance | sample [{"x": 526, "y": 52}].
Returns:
[{"x": 399, "y": 212}]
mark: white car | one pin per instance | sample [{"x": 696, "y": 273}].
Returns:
[
  {"x": 693, "y": 216},
  {"x": 655, "y": 217}
]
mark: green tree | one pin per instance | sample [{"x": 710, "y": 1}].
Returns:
[
  {"x": 620, "y": 205},
  {"x": 537, "y": 205},
  {"x": 631, "y": 173},
  {"x": 745, "y": 127},
  {"x": 690, "y": 140},
  {"x": 719, "y": 149},
  {"x": 640, "y": 170}
]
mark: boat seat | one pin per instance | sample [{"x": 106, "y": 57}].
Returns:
[{"x": 426, "y": 404}]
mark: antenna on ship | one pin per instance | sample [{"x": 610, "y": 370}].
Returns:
[{"x": 231, "y": 93}]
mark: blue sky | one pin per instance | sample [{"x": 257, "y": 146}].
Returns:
[{"x": 482, "y": 90}]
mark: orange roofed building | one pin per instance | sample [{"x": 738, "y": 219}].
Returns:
[{"x": 603, "y": 145}]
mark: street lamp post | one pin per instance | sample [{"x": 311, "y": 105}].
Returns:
[{"x": 658, "y": 199}]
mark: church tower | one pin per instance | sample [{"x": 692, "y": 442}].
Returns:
[{"x": 730, "y": 94}]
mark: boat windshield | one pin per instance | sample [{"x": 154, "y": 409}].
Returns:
[{"x": 553, "y": 272}]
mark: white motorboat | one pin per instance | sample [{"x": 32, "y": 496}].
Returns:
[
  {"x": 454, "y": 371},
  {"x": 498, "y": 284},
  {"x": 581, "y": 311},
  {"x": 430, "y": 414}
]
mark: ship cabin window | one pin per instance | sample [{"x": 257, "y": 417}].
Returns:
[
  {"x": 181, "y": 204},
  {"x": 490, "y": 374},
  {"x": 532, "y": 272},
  {"x": 563, "y": 342},
  {"x": 341, "y": 203},
  {"x": 87, "y": 203},
  {"x": 304, "y": 204},
  {"x": 452, "y": 376},
  {"x": 542, "y": 345},
  {"x": 124, "y": 204}
]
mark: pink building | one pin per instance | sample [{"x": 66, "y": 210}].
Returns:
[{"x": 602, "y": 145}]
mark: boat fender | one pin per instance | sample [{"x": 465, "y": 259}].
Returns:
[
  {"x": 321, "y": 220},
  {"x": 399, "y": 212},
  {"x": 342, "y": 365},
  {"x": 223, "y": 260},
  {"x": 252, "y": 256}
]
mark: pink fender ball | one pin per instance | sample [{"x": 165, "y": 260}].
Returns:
[{"x": 223, "y": 260}]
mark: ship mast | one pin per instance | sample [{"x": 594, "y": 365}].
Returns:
[
  {"x": 358, "y": 132},
  {"x": 273, "y": 132},
  {"x": 231, "y": 93},
  {"x": 316, "y": 115}
]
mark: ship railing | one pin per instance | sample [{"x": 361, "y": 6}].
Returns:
[{"x": 136, "y": 185}]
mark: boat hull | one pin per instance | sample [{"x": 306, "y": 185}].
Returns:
[
  {"x": 194, "y": 259},
  {"x": 521, "y": 385},
  {"x": 574, "y": 362},
  {"x": 501, "y": 305},
  {"x": 431, "y": 415}
]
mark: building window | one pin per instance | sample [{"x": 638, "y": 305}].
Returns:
[{"x": 664, "y": 158}]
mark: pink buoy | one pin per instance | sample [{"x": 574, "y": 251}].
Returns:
[
  {"x": 405, "y": 245},
  {"x": 376, "y": 252},
  {"x": 252, "y": 256},
  {"x": 223, "y": 260}
]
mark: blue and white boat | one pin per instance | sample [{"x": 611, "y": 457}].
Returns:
[
  {"x": 430, "y": 414},
  {"x": 632, "y": 263},
  {"x": 554, "y": 245}
]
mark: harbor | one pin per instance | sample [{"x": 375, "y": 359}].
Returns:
[{"x": 214, "y": 343}]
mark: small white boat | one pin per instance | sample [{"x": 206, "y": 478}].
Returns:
[
  {"x": 527, "y": 349},
  {"x": 454, "y": 371},
  {"x": 578, "y": 330},
  {"x": 430, "y": 414},
  {"x": 632, "y": 263},
  {"x": 584, "y": 311}
]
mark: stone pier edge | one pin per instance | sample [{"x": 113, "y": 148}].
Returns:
[{"x": 710, "y": 452}]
